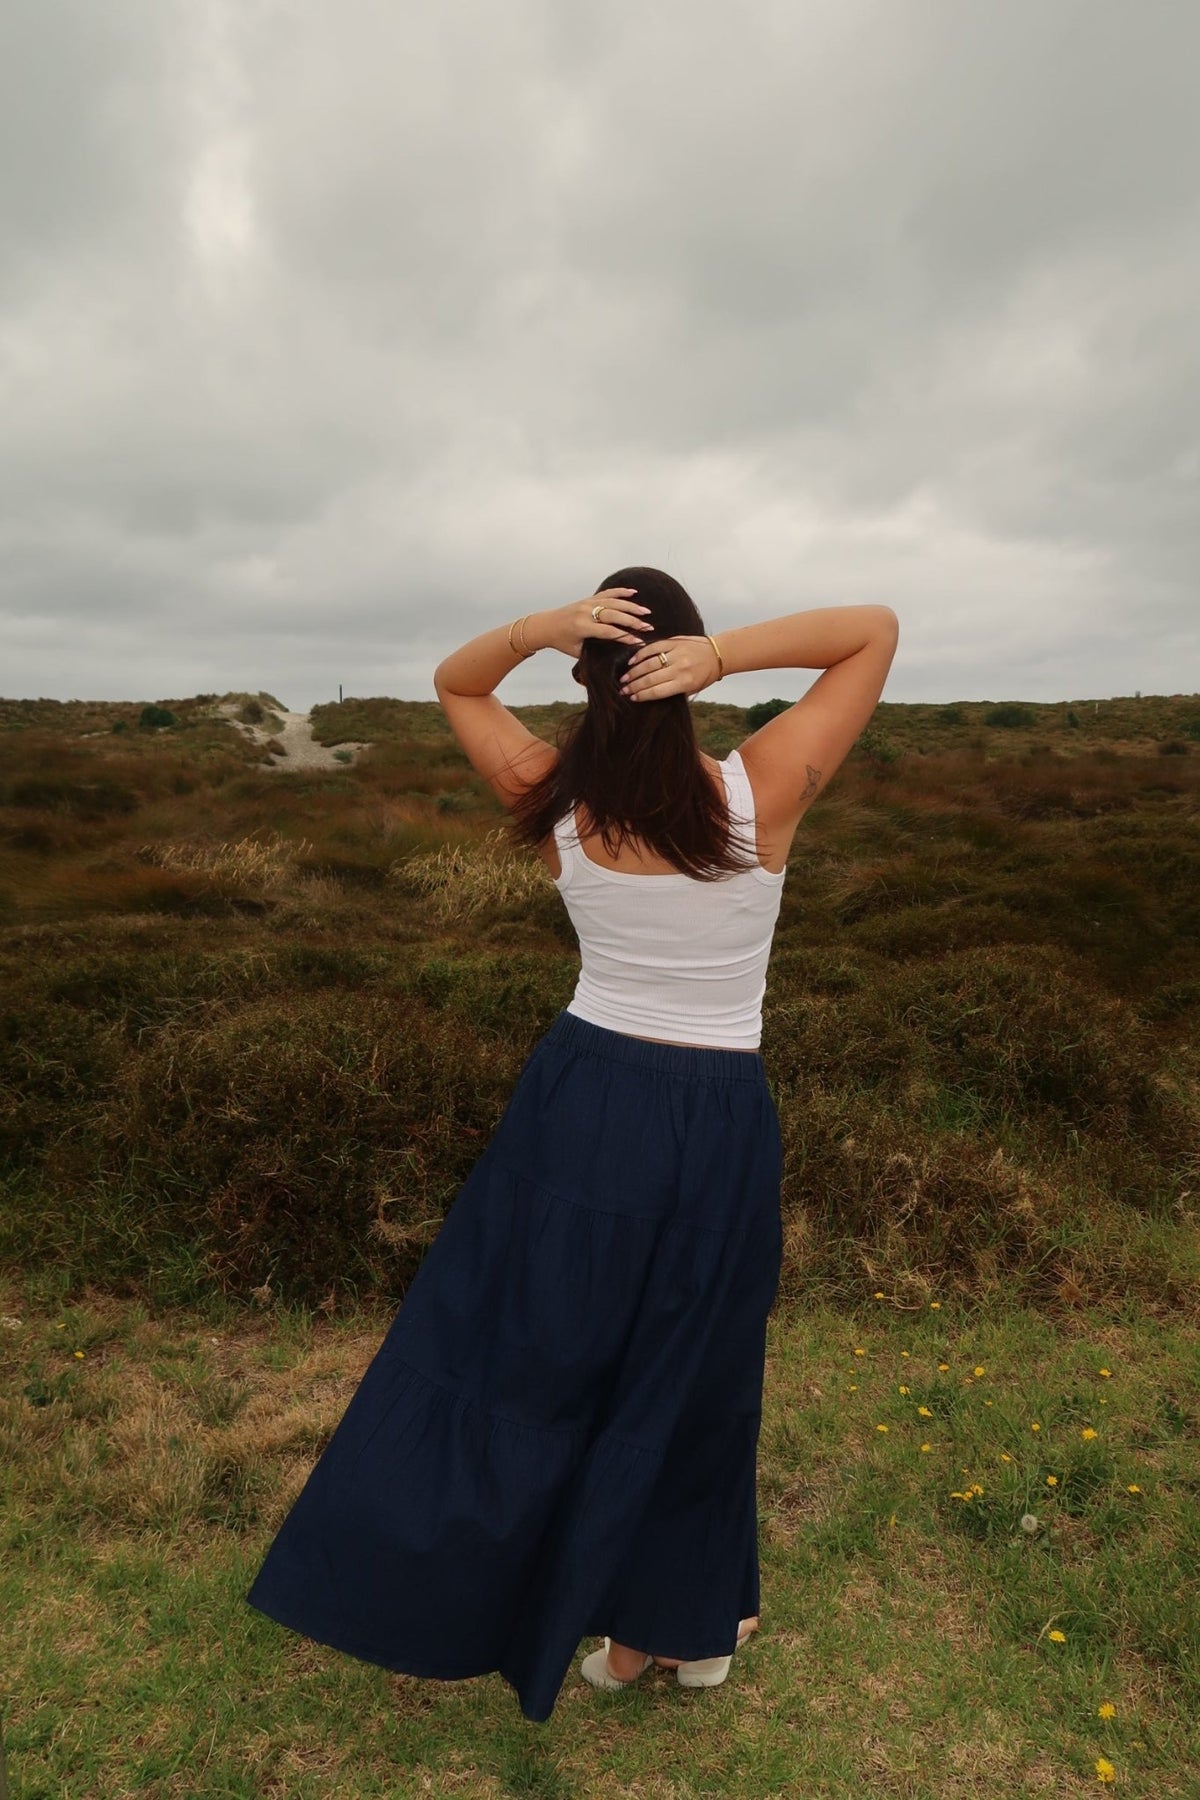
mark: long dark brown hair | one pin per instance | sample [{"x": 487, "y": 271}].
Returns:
[{"x": 633, "y": 767}]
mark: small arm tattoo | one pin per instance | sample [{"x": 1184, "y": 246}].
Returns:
[{"x": 814, "y": 778}]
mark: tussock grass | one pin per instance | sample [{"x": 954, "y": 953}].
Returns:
[{"x": 465, "y": 879}]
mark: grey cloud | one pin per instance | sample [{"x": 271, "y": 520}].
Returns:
[{"x": 336, "y": 335}]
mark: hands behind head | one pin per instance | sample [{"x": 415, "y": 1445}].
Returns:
[
  {"x": 622, "y": 618},
  {"x": 691, "y": 661},
  {"x": 690, "y": 666}
]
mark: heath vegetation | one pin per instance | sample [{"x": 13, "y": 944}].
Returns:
[{"x": 255, "y": 1028}]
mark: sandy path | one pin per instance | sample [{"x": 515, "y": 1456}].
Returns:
[{"x": 303, "y": 750}]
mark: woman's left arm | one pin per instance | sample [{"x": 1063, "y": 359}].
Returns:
[{"x": 495, "y": 741}]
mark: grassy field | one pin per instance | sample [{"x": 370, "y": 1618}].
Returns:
[{"x": 256, "y": 1026}]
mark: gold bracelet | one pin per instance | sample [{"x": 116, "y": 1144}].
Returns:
[
  {"x": 720, "y": 658},
  {"x": 513, "y": 627}
]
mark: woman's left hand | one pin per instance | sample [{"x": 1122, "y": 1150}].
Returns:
[{"x": 621, "y": 617}]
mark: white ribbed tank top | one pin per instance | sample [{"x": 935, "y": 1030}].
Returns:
[{"x": 667, "y": 956}]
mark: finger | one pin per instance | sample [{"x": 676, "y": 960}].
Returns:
[{"x": 630, "y": 613}]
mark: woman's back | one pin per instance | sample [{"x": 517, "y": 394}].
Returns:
[{"x": 665, "y": 955}]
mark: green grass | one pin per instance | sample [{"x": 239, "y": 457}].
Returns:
[{"x": 904, "y": 1647}]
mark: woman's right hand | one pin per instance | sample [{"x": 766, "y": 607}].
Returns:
[{"x": 690, "y": 666}]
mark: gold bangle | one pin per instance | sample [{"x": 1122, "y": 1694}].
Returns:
[
  {"x": 720, "y": 659},
  {"x": 513, "y": 627},
  {"x": 521, "y": 630}
]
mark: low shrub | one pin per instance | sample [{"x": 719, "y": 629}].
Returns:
[
  {"x": 155, "y": 718},
  {"x": 762, "y": 711}
]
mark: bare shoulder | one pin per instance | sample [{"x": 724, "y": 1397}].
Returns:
[{"x": 793, "y": 757}]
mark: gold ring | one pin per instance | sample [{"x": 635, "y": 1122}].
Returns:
[
  {"x": 662, "y": 657},
  {"x": 596, "y": 611}
]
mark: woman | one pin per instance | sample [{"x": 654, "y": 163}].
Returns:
[{"x": 556, "y": 1439}]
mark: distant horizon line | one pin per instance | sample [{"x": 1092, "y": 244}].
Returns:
[{"x": 520, "y": 705}]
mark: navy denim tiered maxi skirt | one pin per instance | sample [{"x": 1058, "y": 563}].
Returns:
[{"x": 556, "y": 1439}]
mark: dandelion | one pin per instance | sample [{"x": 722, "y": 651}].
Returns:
[
  {"x": 927, "y": 1446},
  {"x": 934, "y": 1304},
  {"x": 979, "y": 1370},
  {"x": 79, "y": 1354},
  {"x": 924, "y": 1412},
  {"x": 1030, "y": 1523},
  {"x": 1105, "y": 1770},
  {"x": 854, "y": 1387},
  {"x": 1103, "y": 1401},
  {"x": 1133, "y": 1488},
  {"x": 987, "y": 1403},
  {"x": 879, "y": 1293},
  {"x": 881, "y": 1428},
  {"x": 942, "y": 1367},
  {"x": 860, "y": 1353},
  {"x": 1107, "y": 1710},
  {"x": 902, "y": 1389},
  {"x": 1105, "y": 1372},
  {"x": 1035, "y": 1426},
  {"x": 976, "y": 1488},
  {"x": 1052, "y": 1481},
  {"x": 1057, "y": 1637},
  {"x": 1087, "y": 1433},
  {"x": 1004, "y": 1456},
  {"x": 904, "y": 1353}
]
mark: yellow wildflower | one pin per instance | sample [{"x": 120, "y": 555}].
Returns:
[
  {"x": 987, "y": 1403},
  {"x": 1087, "y": 1432},
  {"x": 854, "y": 1387},
  {"x": 943, "y": 1367},
  {"x": 1107, "y": 1710},
  {"x": 927, "y": 1446},
  {"x": 1104, "y": 1371},
  {"x": 860, "y": 1353},
  {"x": 1035, "y": 1426},
  {"x": 879, "y": 1293},
  {"x": 881, "y": 1428},
  {"x": 904, "y": 1353},
  {"x": 934, "y": 1304},
  {"x": 1057, "y": 1637},
  {"x": 976, "y": 1488},
  {"x": 1004, "y": 1456},
  {"x": 903, "y": 1389},
  {"x": 1052, "y": 1481},
  {"x": 955, "y": 1495},
  {"x": 1133, "y": 1488},
  {"x": 1104, "y": 1769},
  {"x": 79, "y": 1354},
  {"x": 924, "y": 1412},
  {"x": 979, "y": 1370}
]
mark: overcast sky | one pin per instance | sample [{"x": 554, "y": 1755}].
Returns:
[{"x": 333, "y": 332}]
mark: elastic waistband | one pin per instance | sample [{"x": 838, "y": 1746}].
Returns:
[{"x": 699, "y": 1062}]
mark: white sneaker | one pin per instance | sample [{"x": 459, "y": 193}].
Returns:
[
  {"x": 594, "y": 1668},
  {"x": 710, "y": 1671}
]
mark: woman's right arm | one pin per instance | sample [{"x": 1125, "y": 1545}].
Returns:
[
  {"x": 805, "y": 640},
  {"x": 795, "y": 755}
]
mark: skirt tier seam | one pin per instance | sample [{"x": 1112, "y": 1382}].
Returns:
[
  {"x": 579, "y": 1432},
  {"x": 606, "y": 1212}
]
